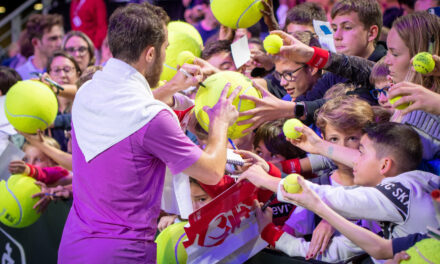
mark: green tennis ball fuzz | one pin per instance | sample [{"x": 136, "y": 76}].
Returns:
[
  {"x": 289, "y": 128},
  {"x": 425, "y": 249},
  {"x": 30, "y": 105},
  {"x": 399, "y": 107},
  {"x": 210, "y": 94},
  {"x": 16, "y": 202},
  {"x": 272, "y": 44},
  {"x": 291, "y": 183},
  {"x": 423, "y": 62},
  {"x": 185, "y": 57}
]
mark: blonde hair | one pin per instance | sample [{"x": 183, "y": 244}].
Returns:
[
  {"x": 345, "y": 113},
  {"x": 87, "y": 74},
  {"x": 339, "y": 89},
  {"x": 420, "y": 31}
]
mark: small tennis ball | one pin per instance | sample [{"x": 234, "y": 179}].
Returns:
[
  {"x": 273, "y": 43},
  {"x": 291, "y": 185},
  {"x": 16, "y": 202},
  {"x": 423, "y": 62},
  {"x": 395, "y": 99},
  {"x": 185, "y": 57},
  {"x": 426, "y": 249},
  {"x": 237, "y": 14},
  {"x": 289, "y": 128},
  {"x": 209, "y": 95},
  {"x": 30, "y": 105}
]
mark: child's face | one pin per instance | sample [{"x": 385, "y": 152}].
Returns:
[
  {"x": 35, "y": 157},
  {"x": 299, "y": 82},
  {"x": 263, "y": 152},
  {"x": 293, "y": 28},
  {"x": 350, "y": 36},
  {"x": 366, "y": 169},
  {"x": 198, "y": 196},
  {"x": 382, "y": 91},
  {"x": 346, "y": 139}
]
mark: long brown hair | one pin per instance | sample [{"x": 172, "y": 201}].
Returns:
[{"x": 420, "y": 31}]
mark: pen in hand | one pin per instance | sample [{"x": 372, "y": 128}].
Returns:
[{"x": 189, "y": 75}]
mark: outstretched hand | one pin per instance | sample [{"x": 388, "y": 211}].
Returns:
[
  {"x": 307, "y": 198},
  {"x": 263, "y": 217},
  {"x": 224, "y": 110},
  {"x": 266, "y": 109},
  {"x": 309, "y": 140},
  {"x": 419, "y": 97},
  {"x": 293, "y": 49},
  {"x": 250, "y": 159}
]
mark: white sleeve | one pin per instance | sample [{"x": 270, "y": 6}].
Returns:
[
  {"x": 358, "y": 203},
  {"x": 339, "y": 249},
  {"x": 319, "y": 162}
]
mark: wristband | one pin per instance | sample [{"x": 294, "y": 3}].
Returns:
[
  {"x": 291, "y": 166},
  {"x": 319, "y": 58},
  {"x": 32, "y": 170},
  {"x": 271, "y": 234}
]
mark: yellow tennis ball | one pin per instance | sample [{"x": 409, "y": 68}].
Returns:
[
  {"x": 170, "y": 244},
  {"x": 178, "y": 42},
  {"x": 209, "y": 95},
  {"x": 423, "y": 62},
  {"x": 289, "y": 128},
  {"x": 185, "y": 57},
  {"x": 395, "y": 99},
  {"x": 237, "y": 14},
  {"x": 16, "y": 202},
  {"x": 291, "y": 183},
  {"x": 273, "y": 43},
  {"x": 30, "y": 105},
  {"x": 426, "y": 249}
]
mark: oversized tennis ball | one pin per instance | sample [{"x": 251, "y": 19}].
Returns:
[
  {"x": 16, "y": 202},
  {"x": 185, "y": 57},
  {"x": 273, "y": 43},
  {"x": 30, "y": 105},
  {"x": 289, "y": 128},
  {"x": 291, "y": 185},
  {"x": 395, "y": 99},
  {"x": 169, "y": 244},
  {"x": 209, "y": 95},
  {"x": 183, "y": 27},
  {"x": 237, "y": 14},
  {"x": 423, "y": 62},
  {"x": 178, "y": 42},
  {"x": 426, "y": 249}
]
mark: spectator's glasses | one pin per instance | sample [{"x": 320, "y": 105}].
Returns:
[
  {"x": 288, "y": 76},
  {"x": 81, "y": 50},
  {"x": 65, "y": 69},
  {"x": 377, "y": 91}
]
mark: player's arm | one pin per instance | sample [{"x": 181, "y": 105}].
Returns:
[{"x": 210, "y": 167}]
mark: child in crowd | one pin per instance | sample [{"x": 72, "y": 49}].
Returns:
[
  {"x": 38, "y": 165},
  {"x": 393, "y": 192},
  {"x": 342, "y": 121}
]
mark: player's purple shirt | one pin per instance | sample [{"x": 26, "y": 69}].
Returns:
[{"x": 117, "y": 194}]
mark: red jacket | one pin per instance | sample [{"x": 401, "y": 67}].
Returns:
[{"x": 93, "y": 17}]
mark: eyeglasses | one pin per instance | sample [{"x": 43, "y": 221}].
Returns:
[
  {"x": 65, "y": 69},
  {"x": 377, "y": 91},
  {"x": 81, "y": 50},
  {"x": 288, "y": 76}
]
